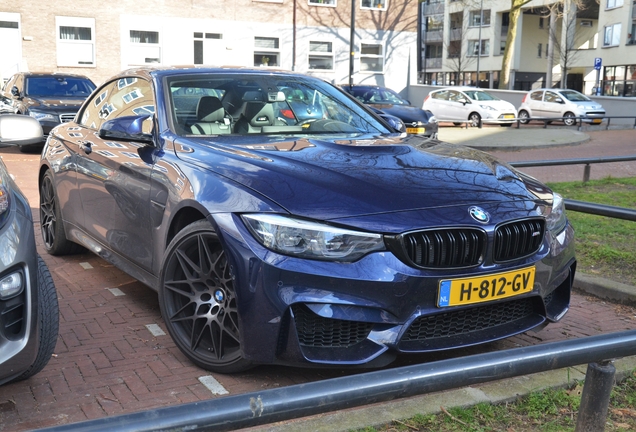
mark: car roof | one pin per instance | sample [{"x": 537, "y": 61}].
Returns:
[
  {"x": 51, "y": 74},
  {"x": 167, "y": 71}
]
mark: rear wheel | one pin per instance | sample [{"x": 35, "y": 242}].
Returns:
[
  {"x": 55, "y": 241},
  {"x": 48, "y": 321},
  {"x": 198, "y": 300},
  {"x": 524, "y": 117},
  {"x": 569, "y": 119}
]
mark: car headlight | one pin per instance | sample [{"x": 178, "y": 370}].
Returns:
[
  {"x": 11, "y": 285},
  {"x": 312, "y": 240},
  {"x": 432, "y": 119},
  {"x": 556, "y": 219},
  {"x": 42, "y": 116},
  {"x": 488, "y": 107}
]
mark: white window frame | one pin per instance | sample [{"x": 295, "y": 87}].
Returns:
[
  {"x": 381, "y": 57},
  {"x": 265, "y": 52},
  {"x": 479, "y": 13},
  {"x": 145, "y": 50},
  {"x": 376, "y": 8},
  {"x": 473, "y": 43},
  {"x": 615, "y": 35},
  {"x": 321, "y": 54},
  {"x": 73, "y": 52},
  {"x": 613, "y": 4},
  {"x": 327, "y": 3}
]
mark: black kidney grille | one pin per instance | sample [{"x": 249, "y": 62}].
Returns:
[
  {"x": 518, "y": 239},
  {"x": 316, "y": 331},
  {"x": 445, "y": 248},
  {"x": 468, "y": 320}
]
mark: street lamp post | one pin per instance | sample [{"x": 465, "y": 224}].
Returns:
[
  {"x": 352, "y": 41},
  {"x": 481, "y": 21}
]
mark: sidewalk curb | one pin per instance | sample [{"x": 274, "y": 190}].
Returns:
[{"x": 605, "y": 288}]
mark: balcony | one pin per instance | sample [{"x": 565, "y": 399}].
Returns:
[
  {"x": 433, "y": 9},
  {"x": 433, "y": 63},
  {"x": 434, "y": 36}
]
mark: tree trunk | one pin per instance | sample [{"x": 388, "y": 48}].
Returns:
[{"x": 509, "y": 51}]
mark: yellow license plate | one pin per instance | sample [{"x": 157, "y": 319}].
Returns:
[
  {"x": 455, "y": 292},
  {"x": 508, "y": 116},
  {"x": 418, "y": 130},
  {"x": 597, "y": 121}
]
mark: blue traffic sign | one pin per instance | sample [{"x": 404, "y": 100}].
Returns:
[{"x": 597, "y": 63}]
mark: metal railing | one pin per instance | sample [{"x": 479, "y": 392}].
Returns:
[
  {"x": 275, "y": 405},
  {"x": 579, "y": 161}
]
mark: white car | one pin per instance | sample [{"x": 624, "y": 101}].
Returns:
[
  {"x": 561, "y": 104},
  {"x": 458, "y": 104}
]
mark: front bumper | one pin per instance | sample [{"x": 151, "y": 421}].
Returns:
[
  {"x": 363, "y": 313},
  {"x": 18, "y": 314}
]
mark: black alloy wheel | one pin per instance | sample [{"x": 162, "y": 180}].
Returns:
[
  {"x": 198, "y": 300},
  {"x": 55, "y": 241}
]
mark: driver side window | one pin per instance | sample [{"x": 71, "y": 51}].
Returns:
[{"x": 128, "y": 96}]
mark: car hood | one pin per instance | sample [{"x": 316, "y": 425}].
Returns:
[
  {"x": 589, "y": 105},
  {"x": 55, "y": 102},
  {"x": 496, "y": 104},
  {"x": 324, "y": 178},
  {"x": 406, "y": 113}
]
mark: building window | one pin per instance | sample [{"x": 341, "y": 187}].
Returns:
[
  {"x": 144, "y": 47},
  {"x": 371, "y": 57},
  {"x": 75, "y": 41},
  {"x": 475, "y": 48},
  {"x": 539, "y": 50},
  {"x": 373, "y": 4},
  {"x": 612, "y": 35},
  {"x": 320, "y": 55},
  {"x": 323, "y": 2},
  {"x": 614, "y": 4},
  {"x": 476, "y": 19},
  {"x": 541, "y": 22},
  {"x": 266, "y": 51},
  {"x": 199, "y": 40}
]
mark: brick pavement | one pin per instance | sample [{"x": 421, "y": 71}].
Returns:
[{"x": 107, "y": 361}]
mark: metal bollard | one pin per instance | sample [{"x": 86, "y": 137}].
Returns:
[
  {"x": 586, "y": 173},
  {"x": 599, "y": 380}
]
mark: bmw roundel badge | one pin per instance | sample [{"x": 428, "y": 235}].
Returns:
[{"x": 479, "y": 214}]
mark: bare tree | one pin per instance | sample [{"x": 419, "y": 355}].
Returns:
[
  {"x": 458, "y": 59},
  {"x": 509, "y": 51}
]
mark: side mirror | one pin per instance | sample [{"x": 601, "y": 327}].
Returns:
[
  {"x": 394, "y": 122},
  {"x": 559, "y": 100},
  {"x": 15, "y": 91},
  {"x": 127, "y": 128},
  {"x": 18, "y": 130}
]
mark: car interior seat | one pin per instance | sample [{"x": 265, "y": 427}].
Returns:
[
  {"x": 211, "y": 118},
  {"x": 257, "y": 114}
]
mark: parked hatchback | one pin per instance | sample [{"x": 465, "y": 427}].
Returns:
[
  {"x": 49, "y": 98},
  {"x": 417, "y": 121},
  {"x": 28, "y": 300},
  {"x": 563, "y": 105},
  {"x": 459, "y": 104}
]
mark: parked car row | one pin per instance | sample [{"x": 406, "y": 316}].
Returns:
[
  {"x": 50, "y": 98},
  {"x": 461, "y": 104}
]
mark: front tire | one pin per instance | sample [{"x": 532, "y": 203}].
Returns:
[
  {"x": 475, "y": 119},
  {"x": 48, "y": 319},
  {"x": 55, "y": 241},
  {"x": 198, "y": 300},
  {"x": 569, "y": 119}
]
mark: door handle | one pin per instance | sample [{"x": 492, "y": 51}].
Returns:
[{"x": 86, "y": 146}]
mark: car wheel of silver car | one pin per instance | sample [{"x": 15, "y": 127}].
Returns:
[
  {"x": 48, "y": 321},
  {"x": 569, "y": 119},
  {"x": 475, "y": 119},
  {"x": 198, "y": 300},
  {"x": 55, "y": 241},
  {"x": 524, "y": 117}
]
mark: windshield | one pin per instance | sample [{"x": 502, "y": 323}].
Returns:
[
  {"x": 377, "y": 95},
  {"x": 478, "y": 95},
  {"x": 59, "y": 87},
  {"x": 238, "y": 104},
  {"x": 574, "y": 96}
]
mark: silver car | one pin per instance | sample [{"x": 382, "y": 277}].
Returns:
[{"x": 565, "y": 104}]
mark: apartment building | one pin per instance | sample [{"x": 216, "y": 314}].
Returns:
[
  {"x": 98, "y": 39},
  {"x": 589, "y": 45}
]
